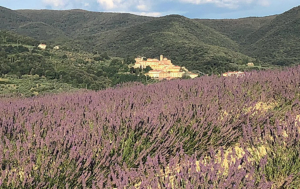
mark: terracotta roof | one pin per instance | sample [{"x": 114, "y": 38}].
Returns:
[
  {"x": 152, "y": 60},
  {"x": 176, "y": 72},
  {"x": 162, "y": 63}
]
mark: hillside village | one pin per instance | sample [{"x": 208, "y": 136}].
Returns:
[{"x": 162, "y": 69}]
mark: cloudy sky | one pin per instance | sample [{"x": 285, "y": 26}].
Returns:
[{"x": 188, "y": 8}]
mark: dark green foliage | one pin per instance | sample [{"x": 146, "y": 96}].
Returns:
[
  {"x": 31, "y": 85},
  {"x": 102, "y": 57},
  {"x": 62, "y": 67},
  {"x": 129, "y": 60},
  {"x": 237, "y": 29},
  {"x": 185, "y": 76},
  {"x": 147, "y": 69},
  {"x": 116, "y": 63},
  {"x": 209, "y": 46},
  {"x": 273, "y": 39},
  {"x": 105, "y": 56},
  {"x": 97, "y": 58},
  {"x": 3, "y": 54},
  {"x": 278, "y": 40},
  {"x": 127, "y": 36},
  {"x": 7, "y": 37},
  {"x": 64, "y": 56},
  {"x": 123, "y": 78}
]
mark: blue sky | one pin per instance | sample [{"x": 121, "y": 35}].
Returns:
[{"x": 189, "y": 8}]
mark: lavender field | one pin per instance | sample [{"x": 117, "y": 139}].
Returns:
[{"x": 209, "y": 132}]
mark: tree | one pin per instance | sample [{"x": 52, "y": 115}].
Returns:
[
  {"x": 50, "y": 74},
  {"x": 4, "y": 68},
  {"x": 132, "y": 70},
  {"x": 116, "y": 62},
  {"x": 22, "y": 49},
  {"x": 98, "y": 58},
  {"x": 147, "y": 69},
  {"x": 129, "y": 60},
  {"x": 105, "y": 56},
  {"x": 186, "y": 76},
  {"x": 3, "y": 54}
]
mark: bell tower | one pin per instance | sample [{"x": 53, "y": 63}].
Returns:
[{"x": 161, "y": 57}]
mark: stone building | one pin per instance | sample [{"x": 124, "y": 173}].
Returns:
[
  {"x": 42, "y": 46},
  {"x": 162, "y": 68}
]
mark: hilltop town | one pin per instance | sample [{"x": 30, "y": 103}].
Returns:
[{"x": 162, "y": 68}]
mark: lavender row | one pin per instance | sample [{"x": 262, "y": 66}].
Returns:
[{"x": 174, "y": 134}]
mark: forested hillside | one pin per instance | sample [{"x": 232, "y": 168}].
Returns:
[
  {"x": 185, "y": 41},
  {"x": 27, "y": 71},
  {"x": 278, "y": 41},
  {"x": 210, "y": 46},
  {"x": 237, "y": 29},
  {"x": 77, "y": 23}
]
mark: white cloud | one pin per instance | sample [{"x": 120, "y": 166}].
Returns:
[
  {"x": 56, "y": 3},
  {"x": 153, "y": 14},
  {"x": 142, "y": 7},
  {"x": 109, "y": 4},
  {"x": 232, "y": 4},
  {"x": 68, "y": 4},
  {"x": 265, "y": 3},
  {"x": 146, "y": 7},
  {"x": 138, "y": 7}
]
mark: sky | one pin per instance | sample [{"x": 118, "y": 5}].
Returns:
[{"x": 213, "y": 9}]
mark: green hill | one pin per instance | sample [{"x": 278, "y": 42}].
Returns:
[
  {"x": 8, "y": 37},
  {"x": 180, "y": 29},
  {"x": 75, "y": 23},
  {"x": 185, "y": 41},
  {"x": 237, "y": 29},
  {"x": 11, "y": 20},
  {"x": 278, "y": 41},
  {"x": 41, "y": 31},
  {"x": 26, "y": 70},
  {"x": 211, "y": 46}
]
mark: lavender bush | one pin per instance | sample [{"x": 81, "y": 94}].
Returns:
[{"x": 210, "y": 132}]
